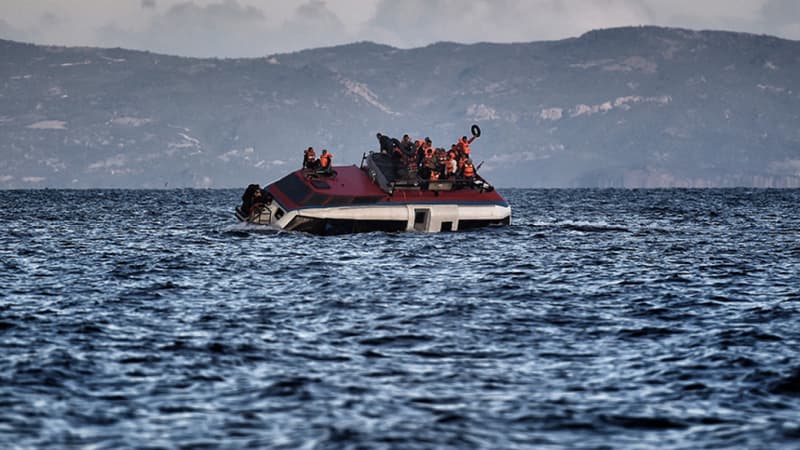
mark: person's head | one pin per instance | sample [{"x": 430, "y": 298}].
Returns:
[
  {"x": 463, "y": 138},
  {"x": 324, "y": 151},
  {"x": 378, "y": 135},
  {"x": 310, "y": 149},
  {"x": 428, "y": 140},
  {"x": 406, "y": 138}
]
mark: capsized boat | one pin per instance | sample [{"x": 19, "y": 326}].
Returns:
[{"x": 377, "y": 196}]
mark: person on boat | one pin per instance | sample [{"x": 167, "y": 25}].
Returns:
[
  {"x": 451, "y": 166},
  {"x": 407, "y": 146},
  {"x": 463, "y": 145},
  {"x": 253, "y": 198},
  {"x": 326, "y": 161},
  {"x": 441, "y": 161},
  {"x": 468, "y": 171},
  {"x": 386, "y": 144},
  {"x": 420, "y": 149},
  {"x": 309, "y": 158},
  {"x": 247, "y": 198}
]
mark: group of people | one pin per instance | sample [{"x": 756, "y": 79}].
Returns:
[
  {"x": 322, "y": 164},
  {"x": 412, "y": 158},
  {"x": 421, "y": 158}
]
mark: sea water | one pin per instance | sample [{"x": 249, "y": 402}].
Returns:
[{"x": 597, "y": 319}]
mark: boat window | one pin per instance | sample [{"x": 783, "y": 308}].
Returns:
[
  {"x": 447, "y": 226},
  {"x": 293, "y": 187},
  {"x": 339, "y": 200},
  {"x": 367, "y": 199},
  {"x": 278, "y": 214},
  {"x": 315, "y": 199},
  {"x": 421, "y": 219}
]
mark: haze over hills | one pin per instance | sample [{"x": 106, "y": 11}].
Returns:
[{"x": 633, "y": 107}]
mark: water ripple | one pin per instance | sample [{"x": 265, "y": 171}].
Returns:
[{"x": 598, "y": 319}]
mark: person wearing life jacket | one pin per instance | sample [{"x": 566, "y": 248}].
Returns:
[
  {"x": 463, "y": 145},
  {"x": 326, "y": 161},
  {"x": 309, "y": 158},
  {"x": 468, "y": 172}
]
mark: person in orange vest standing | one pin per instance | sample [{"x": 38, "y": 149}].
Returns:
[
  {"x": 463, "y": 145},
  {"x": 326, "y": 161}
]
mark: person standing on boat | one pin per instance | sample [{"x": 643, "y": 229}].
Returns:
[{"x": 463, "y": 145}]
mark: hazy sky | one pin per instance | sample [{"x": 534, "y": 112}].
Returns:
[{"x": 262, "y": 27}]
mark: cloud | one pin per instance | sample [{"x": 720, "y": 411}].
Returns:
[
  {"x": 236, "y": 28},
  {"x": 782, "y": 16},
  {"x": 313, "y": 24},
  {"x": 227, "y": 28},
  {"x": 8, "y": 31},
  {"x": 230, "y": 28},
  {"x": 418, "y": 22},
  {"x": 49, "y": 19}
]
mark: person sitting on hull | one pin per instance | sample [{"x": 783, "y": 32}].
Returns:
[
  {"x": 309, "y": 159},
  {"x": 325, "y": 163}
]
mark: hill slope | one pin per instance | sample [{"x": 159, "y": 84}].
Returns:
[{"x": 621, "y": 107}]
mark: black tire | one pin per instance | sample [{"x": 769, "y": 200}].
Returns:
[{"x": 476, "y": 130}]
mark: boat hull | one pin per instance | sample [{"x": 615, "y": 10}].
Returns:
[{"x": 351, "y": 201}]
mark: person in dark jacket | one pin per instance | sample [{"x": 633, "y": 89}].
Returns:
[{"x": 386, "y": 144}]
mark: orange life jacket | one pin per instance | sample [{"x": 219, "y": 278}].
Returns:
[
  {"x": 469, "y": 170},
  {"x": 463, "y": 145},
  {"x": 325, "y": 160}
]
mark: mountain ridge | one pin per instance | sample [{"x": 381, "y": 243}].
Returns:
[{"x": 622, "y": 107}]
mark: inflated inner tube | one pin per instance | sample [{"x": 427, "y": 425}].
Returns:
[{"x": 476, "y": 130}]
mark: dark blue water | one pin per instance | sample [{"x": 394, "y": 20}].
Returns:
[{"x": 598, "y": 319}]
